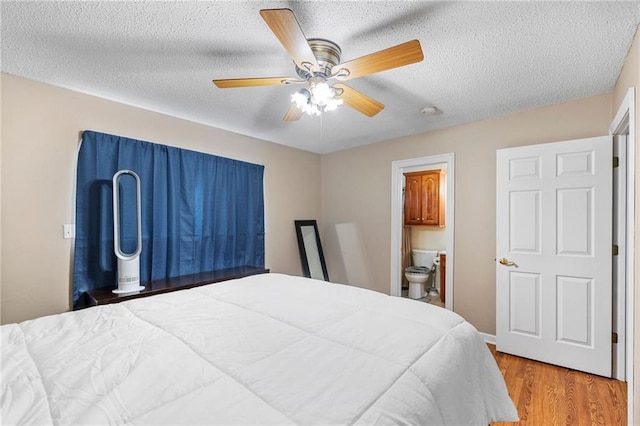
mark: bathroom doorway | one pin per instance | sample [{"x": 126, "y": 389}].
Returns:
[{"x": 444, "y": 161}]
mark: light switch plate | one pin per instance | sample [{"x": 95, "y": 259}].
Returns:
[{"x": 68, "y": 231}]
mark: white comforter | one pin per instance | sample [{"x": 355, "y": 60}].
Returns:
[{"x": 267, "y": 349}]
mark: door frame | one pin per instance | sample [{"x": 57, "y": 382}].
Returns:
[
  {"x": 624, "y": 123},
  {"x": 399, "y": 167}
]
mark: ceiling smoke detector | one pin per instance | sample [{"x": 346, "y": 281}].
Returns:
[{"x": 430, "y": 110}]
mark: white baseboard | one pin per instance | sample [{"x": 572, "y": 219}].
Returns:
[{"x": 488, "y": 338}]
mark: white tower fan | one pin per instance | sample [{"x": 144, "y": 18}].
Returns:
[{"x": 128, "y": 263}]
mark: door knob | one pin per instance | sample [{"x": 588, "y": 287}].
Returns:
[{"x": 506, "y": 262}]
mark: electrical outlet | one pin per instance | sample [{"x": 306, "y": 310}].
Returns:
[{"x": 68, "y": 231}]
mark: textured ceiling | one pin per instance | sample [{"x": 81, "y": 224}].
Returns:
[{"x": 482, "y": 59}]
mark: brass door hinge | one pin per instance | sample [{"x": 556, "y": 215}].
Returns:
[
  {"x": 616, "y": 162},
  {"x": 614, "y": 337},
  {"x": 614, "y": 249}
]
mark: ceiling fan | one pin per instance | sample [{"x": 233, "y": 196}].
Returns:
[{"x": 317, "y": 63}]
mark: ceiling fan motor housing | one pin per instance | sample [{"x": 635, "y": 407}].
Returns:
[{"x": 327, "y": 55}]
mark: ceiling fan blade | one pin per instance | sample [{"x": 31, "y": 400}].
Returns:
[
  {"x": 393, "y": 57},
  {"x": 293, "y": 114},
  {"x": 250, "y": 82},
  {"x": 285, "y": 26},
  {"x": 358, "y": 100}
]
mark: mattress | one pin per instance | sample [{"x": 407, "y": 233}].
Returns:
[{"x": 266, "y": 349}]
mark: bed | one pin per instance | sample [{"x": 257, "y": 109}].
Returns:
[{"x": 265, "y": 349}]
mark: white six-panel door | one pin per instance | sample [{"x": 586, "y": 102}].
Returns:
[{"x": 553, "y": 258}]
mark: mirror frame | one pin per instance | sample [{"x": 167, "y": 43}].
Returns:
[{"x": 303, "y": 252}]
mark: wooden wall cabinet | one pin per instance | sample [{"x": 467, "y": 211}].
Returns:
[{"x": 424, "y": 198}]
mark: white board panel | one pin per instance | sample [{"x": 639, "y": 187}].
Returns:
[
  {"x": 524, "y": 168},
  {"x": 524, "y": 291},
  {"x": 575, "y": 164},
  {"x": 575, "y": 221},
  {"x": 574, "y": 310},
  {"x": 524, "y": 222}
]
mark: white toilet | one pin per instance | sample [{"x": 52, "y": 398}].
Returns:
[{"x": 418, "y": 274}]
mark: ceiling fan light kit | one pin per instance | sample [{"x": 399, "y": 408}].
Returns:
[
  {"x": 317, "y": 98},
  {"x": 317, "y": 63}
]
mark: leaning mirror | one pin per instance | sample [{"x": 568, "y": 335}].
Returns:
[{"x": 311, "y": 255}]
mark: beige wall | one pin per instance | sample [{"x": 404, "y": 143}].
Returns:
[
  {"x": 428, "y": 238},
  {"x": 356, "y": 196},
  {"x": 41, "y": 125},
  {"x": 630, "y": 77}
]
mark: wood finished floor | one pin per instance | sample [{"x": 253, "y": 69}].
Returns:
[{"x": 549, "y": 395}]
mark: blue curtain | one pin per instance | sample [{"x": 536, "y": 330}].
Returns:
[{"x": 200, "y": 212}]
